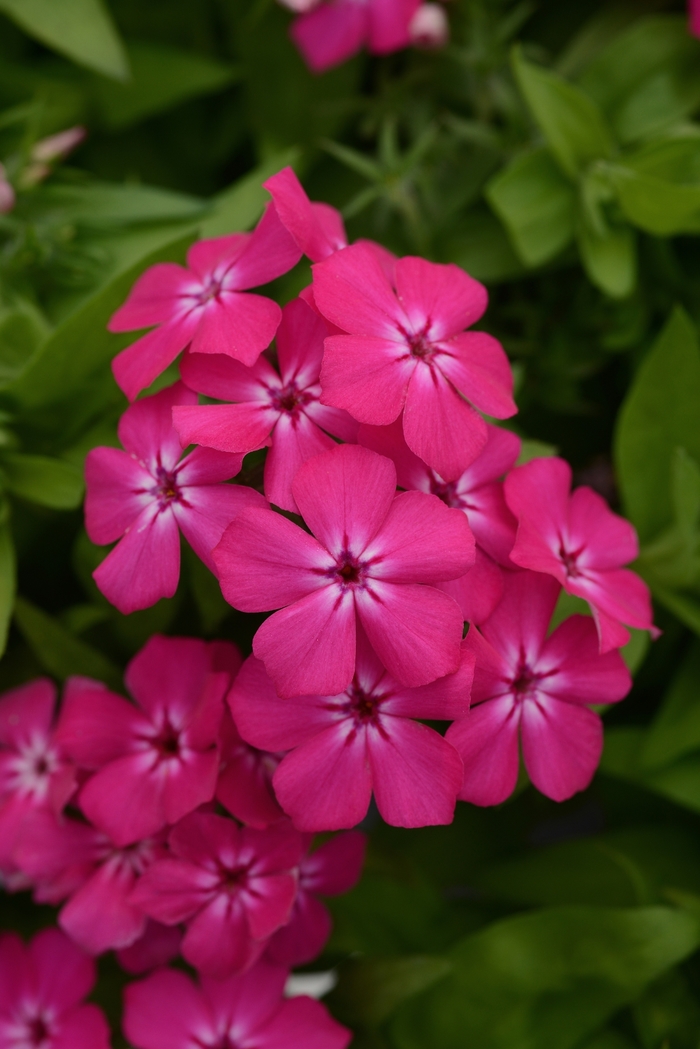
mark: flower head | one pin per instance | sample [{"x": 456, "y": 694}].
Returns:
[
  {"x": 333, "y": 31},
  {"x": 205, "y": 306},
  {"x": 371, "y": 557},
  {"x": 280, "y": 408},
  {"x": 406, "y": 354},
  {"x": 144, "y": 496},
  {"x": 575, "y": 537},
  {"x": 534, "y": 691}
]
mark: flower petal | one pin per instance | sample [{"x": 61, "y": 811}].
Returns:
[
  {"x": 477, "y": 365},
  {"x": 421, "y": 541},
  {"x": 440, "y": 298},
  {"x": 144, "y": 565},
  {"x": 562, "y": 744},
  {"x": 575, "y": 670},
  {"x": 366, "y": 376},
  {"x": 487, "y": 741},
  {"x": 165, "y": 1011},
  {"x": 117, "y": 490},
  {"x": 138, "y": 365},
  {"x": 439, "y": 426},
  {"x": 237, "y": 324},
  {"x": 238, "y": 428}
]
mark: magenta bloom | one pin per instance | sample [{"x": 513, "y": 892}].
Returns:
[
  {"x": 98, "y": 914},
  {"x": 234, "y": 886},
  {"x": 317, "y": 228},
  {"x": 533, "y": 691},
  {"x": 332, "y": 869},
  {"x": 158, "y": 945},
  {"x": 576, "y": 537},
  {"x": 42, "y": 987},
  {"x": 146, "y": 495},
  {"x": 478, "y": 493},
  {"x": 371, "y": 558},
  {"x": 168, "y": 1011},
  {"x": 694, "y": 17},
  {"x": 345, "y": 747},
  {"x": 35, "y": 772},
  {"x": 406, "y": 351},
  {"x": 334, "y": 31},
  {"x": 204, "y": 306},
  {"x": 154, "y": 761},
  {"x": 244, "y": 786},
  {"x": 280, "y": 409}
]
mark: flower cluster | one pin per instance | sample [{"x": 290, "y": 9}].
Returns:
[
  {"x": 117, "y": 810},
  {"x": 328, "y": 32}
]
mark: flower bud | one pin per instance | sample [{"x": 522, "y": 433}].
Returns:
[
  {"x": 55, "y": 147},
  {"x": 429, "y": 27},
  {"x": 7, "y": 193}
]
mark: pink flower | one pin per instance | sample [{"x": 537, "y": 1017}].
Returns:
[
  {"x": 35, "y": 772},
  {"x": 98, "y": 914},
  {"x": 344, "y": 747},
  {"x": 158, "y": 945},
  {"x": 575, "y": 537},
  {"x": 334, "y": 868},
  {"x": 168, "y": 1011},
  {"x": 407, "y": 352},
  {"x": 281, "y": 409},
  {"x": 204, "y": 306},
  {"x": 317, "y": 229},
  {"x": 372, "y": 556},
  {"x": 694, "y": 17},
  {"x": 478, "y": 493},
  {"x": 533, "y": 691},
  {"x": 332, "y": 32},
  {"x": 244, "y": 787},
  {"x": 234, "y": 886},
  {"x": 8, "y": 198},
  {"x": 42, "y": 987},
  {"x": 157, "y": 759},
  {"x": 429, "y": 27},
  {"x": 147, "y": 494}
]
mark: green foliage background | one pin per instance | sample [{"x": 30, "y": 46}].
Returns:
[{"x": 553, "y": 150}]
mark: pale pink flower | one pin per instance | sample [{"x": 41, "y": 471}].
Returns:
[
  {"x": 168, "y": 1011},
  {"x": 156, "y": 759},
  {"x": 335, "y": 30},
  {"x": 233, "y": 886},
  {"x": 429, "y": 27},
  {"x": 42, "y": 990},
  {"x": 144, "y": 496},
  {"x": 343, "y": 748},
  {"x": 244, "y": 786},
  {"x": 406, "y": 354},
  {"x": 282, "y": 409},
  {"x": 330, "y": 870},
  {"x": 206, "y": 306},
  {"x": 58, "y": 146},
  {"x": 534, "y": 692},
  {"x": 478, "y": 493},
  {"x": 36, "y": 773},
  {"x": 576, "y": 537},
  {"x": 372, "y": 556}
]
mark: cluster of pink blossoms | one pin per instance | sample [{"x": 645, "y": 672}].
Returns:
[{"x": 411, "y": 570}]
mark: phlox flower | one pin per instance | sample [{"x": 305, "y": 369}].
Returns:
[
  {"x": 344, "y": 748},
  {"x": 371, "y": 556},
  {"x": 406, "y": 354},
  {"x": 144, "y": 496},
  {"x": 168, "y": 1010},
  {"x": 157, "y": 945},
  {"x": 98, "y": 915},
  {"x": 333, "y": 31},
  {"x": 282, "y": 409},
  {"x": 317, "y": 228},
  {"x": 153, "y": 760},
  {"x": 205, "y": 306},
  {"x": 36, "y": 773},
  {"x": 478, "y": 493},
  {"x": 330, "y": 870},
  {"x": 575, "y": 537},
  {"x": 233, "y": 886},
  {"x": 244, "y": 786},
  {"x": 42, "y": 990},
  {"x": 534, "y": 691}
]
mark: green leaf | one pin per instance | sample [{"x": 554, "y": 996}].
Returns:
[
  {"x": 675, "y": 731},
  {"x": 8, "y": 580},
  {"x": 58, "y": 370},
  {"x": 573, "y": 125},
  {"x": 369, "y": 991},
  {"x": 673, "y": 558},
  {"x": 536, "y": 204},
  {"x": 479, "y": 244},
  {"x": 684, "y": 606},
  {"x": 115, "y": 204},
  {"x": 48, "y": 482},
  {"x": 667, "y": 1013},
  {"x": 58, "y": 651},
  {"x": 545, "y": 980},
  {"x": 80, "y": 29},
  {"x": 609, "y": 258},
  {"x": 658, "y": 207},
  {"x": 660, "y": 414},
  {"x": 241, "y": 205},
  {"x": 22, "y": 330},
  {"x": 161, "y": 78}
]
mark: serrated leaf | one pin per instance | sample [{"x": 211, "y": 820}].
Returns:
[
  {"x": 59, "y": 652},
  {"x": 80, "y": 29},
  {"x": 571, "y": 122},
  {"x": 40, "y": 479},
  {"x": 536, "y": 204}
]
